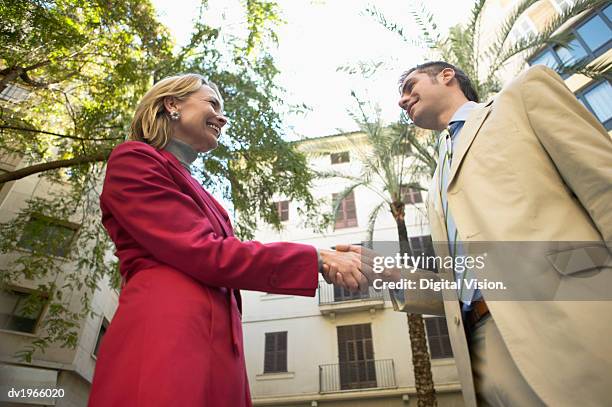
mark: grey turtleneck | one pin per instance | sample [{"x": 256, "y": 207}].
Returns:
[{"x": 182, "y": 151}]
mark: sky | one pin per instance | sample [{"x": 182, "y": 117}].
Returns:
[{"x": 318, "y": 38}]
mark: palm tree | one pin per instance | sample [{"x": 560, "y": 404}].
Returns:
[
  {"x": 482, "y": 59},
  {"x": 393, "y": 157}
]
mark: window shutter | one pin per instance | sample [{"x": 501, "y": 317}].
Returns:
[
  {"x": 275, "y": 355},
  {"x": 437, "y": 338}
]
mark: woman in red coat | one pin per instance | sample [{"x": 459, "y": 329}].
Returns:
[{"x": 176, "y": 338}]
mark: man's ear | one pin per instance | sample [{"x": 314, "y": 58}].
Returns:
[
  {"x": 447, "y": 75},
  {"x": 170, "y": 103}
]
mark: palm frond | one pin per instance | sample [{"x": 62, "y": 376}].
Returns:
[
  {"x": 473, "y": 34},
  {"x": 336, "y": 174},
  {"x": 423, "y": 145},
  {"x": 321, "y": 148},
  {"x": 374, "y": 134},
  {"x": 495, "y": 49},
  {"x": 372, "y": 221},
  {"x": 461, "y": 48},
  {"x": 594, "y": 70},
  {"x": 374, "y": 12},
  {"x": 577, "y": 8},
  {"x": 430, "y": 34},
  {"x": 545, "y": 36},
  {"x": 364, "y": 69},
  {"x": 475, "y": 17}
]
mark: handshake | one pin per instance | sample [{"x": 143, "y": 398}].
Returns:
[{"x": 350, "y": 267}]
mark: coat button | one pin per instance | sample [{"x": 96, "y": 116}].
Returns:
[
  {"x": 456, "y": 320},
  {"x": 273, "y": 280}
]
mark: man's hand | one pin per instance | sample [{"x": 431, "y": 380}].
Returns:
[
  {"x": 345, "y": 269},
  {"x": 421, "y": 301},
  {"x": 367, "y": 257}
]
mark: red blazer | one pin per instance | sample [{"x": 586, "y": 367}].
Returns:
[{"x": 176, "y": 338}]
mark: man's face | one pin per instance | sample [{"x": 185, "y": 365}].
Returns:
[{"x": 423, "y": 97}]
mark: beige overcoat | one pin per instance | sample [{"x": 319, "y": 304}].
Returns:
[{"x": 535, "y": 165}]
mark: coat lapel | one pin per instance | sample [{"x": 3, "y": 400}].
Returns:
[
  {"x": 206, "y": 198},
  {"x": 435, "y": 212},
  {"x": 468, "y": 133},
  {"x": 222, "y": 221}
]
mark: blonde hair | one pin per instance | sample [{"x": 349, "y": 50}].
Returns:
[{"x": 151, "y": 122}]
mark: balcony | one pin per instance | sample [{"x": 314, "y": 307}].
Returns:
[
  {"x": 337, "y": 300},
  {"x": 357, "y": 375}
]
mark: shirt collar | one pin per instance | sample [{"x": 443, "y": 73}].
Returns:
[
  {"x": 464, "y": 111},
  {"x": 182, "y": 151}
]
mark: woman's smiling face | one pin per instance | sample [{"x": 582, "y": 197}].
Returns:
[{"x": 201, "y": 119}]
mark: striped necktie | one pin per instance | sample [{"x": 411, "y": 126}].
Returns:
[{"x": 445, "y": 157}]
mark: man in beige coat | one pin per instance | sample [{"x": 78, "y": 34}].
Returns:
[{"x": 532, "y": 165}]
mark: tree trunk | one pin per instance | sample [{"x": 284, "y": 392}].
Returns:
[
  {"x": 423, "y": 379},
  {"x": 426, "y": 393},
  {"x": 11, "y": 73},
  {"x": 51, "y": 165}
]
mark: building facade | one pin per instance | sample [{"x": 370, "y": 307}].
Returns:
[
  {"x": 589, "y": 42},
  {"x": 337, "y": 349},
  {"x": 340, "y": 349},
  {"x": 67, "y": 370}
]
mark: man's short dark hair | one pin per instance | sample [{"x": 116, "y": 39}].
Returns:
[{"x": 434, "y": 68}]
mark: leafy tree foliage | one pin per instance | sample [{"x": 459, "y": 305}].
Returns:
[{"x": 85, "y": 65}]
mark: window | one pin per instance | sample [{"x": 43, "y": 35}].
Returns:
[
  {"x": 341, "y": 294},
  {"x": 598, "y": 99},
  {"x": 346, "y": 215},
  {"x": 48, "y": 235},
  {"x": 356, "y": 357},
  {"x": 589, "y": 39},
  {"x": 571, "y": 54},
  {"x": 20, "y": 310},
  {"x": 423, "y": 246},
  {"x": 608, "y": 13},
  {"x": 595, "y": 32},
  {"x": 275, "y": 357},
  {"x": 339, "y": 158},
  {"x": 437, "y": 337},
  {"x": 282, "y": 208},
  {"x": 547, "y": 58},
  {"x": 14, "y": 93},
  {"x": 410, "y": 195},
  {"x": 103, "y": 328}
]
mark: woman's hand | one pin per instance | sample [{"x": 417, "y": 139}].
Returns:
[{"x": 345, "y": 269}]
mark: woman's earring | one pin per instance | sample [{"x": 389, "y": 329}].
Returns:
[{"x": 175, "y": 115}]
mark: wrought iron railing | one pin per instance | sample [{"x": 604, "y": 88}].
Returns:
[
  {"x": 359, "y": 374},
  {"x": 330, "y": 294}
]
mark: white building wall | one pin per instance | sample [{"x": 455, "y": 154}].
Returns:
[
  {"x": 312, "y": 336},
  {"x": 74, "y": 367}
]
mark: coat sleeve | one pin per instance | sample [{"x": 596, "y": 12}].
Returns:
[
  {"x": 577, "y": 143},
  {"x": 418, "y": 300},
  {"x": 142, "y": 196}
]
